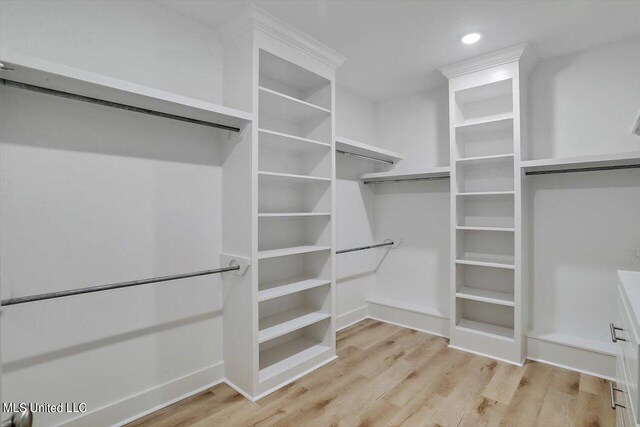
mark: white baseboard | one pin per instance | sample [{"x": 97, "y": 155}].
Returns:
[
  {"x": 571, "y": 357},
  {"x": 349, "y": 318},
  {"x": 400, "y": 316},
  {"x": 151, "y": 400}
]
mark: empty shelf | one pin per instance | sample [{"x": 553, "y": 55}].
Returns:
[
  {"x": 493, "y": 297},
  {"x": 285, "y": 356},
  {"x": 294, "y": 177},
  {"x": 486, "y": 329},
  {"x": 273, "y": 253},
  {"x": 286, "y": 287},
  {"x": 271, "y": 135},
  {"x": 487, "y": 261},
  {"x": 58, "y": 77},
  {"x": 487, "y": 193},
  {"x": 483, "y": 228},
  {"x": 486, "y": 159},
  {"x": 288, "y": 108},
  {"x": 292, "y": 214},
  {"x": 279, "y": 324},
  {"x": 582, "y": 162},
  {"x": 429, "y": 173},
  {"x": 362, "y": 149},
  {"x": 486, "y": 120}
]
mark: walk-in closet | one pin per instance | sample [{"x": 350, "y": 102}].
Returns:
[{"x": 319, "y": 213}]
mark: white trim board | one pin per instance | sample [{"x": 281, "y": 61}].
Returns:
[
  {"x": 351, "y": 317},
  {"x": 146, "y": 402}
]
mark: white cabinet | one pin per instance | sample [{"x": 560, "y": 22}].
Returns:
[{"x": 624, "y": 332}]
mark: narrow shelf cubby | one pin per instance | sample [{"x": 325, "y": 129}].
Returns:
[
  {"x": 485, "y": 284},
  {"x": 296, "y": 157},
  {"x": 495, "y": 321},
  {"x": 485, "y": 176},
  {"x": 485, "y": 139},
  {"x": 287, "y": 194},
  {"x": 282, "y": 276},
  {"x": 485, "y": 212},
  {"x": 282, "y": 354},
  {"x": 485, "y": 248},
  {"x": 294, "y": 81},
  {"x": 291, "y": 312},
  {"x": 484, "y": 103},
  {"x": 284, "y": 232}
]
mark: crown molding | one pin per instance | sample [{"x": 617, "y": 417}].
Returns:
[
  {"x": 254, "y": 18},
  {"x": 520, "y": 53}
]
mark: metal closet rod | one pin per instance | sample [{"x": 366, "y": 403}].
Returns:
[
  {"x": 100, "y": 288},
  {"x": 382, "y": 181},
  {"x": 591, "y": 169},
  {"x": 365, "y": 157},
  {"x": 362, "y": 248},
  {"x": 117, "y": 105}
]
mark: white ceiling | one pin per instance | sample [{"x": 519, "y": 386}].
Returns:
[{"x": 394, "y": 47}]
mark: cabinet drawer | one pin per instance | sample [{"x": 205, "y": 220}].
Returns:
[{"x": 627, "y": 358}]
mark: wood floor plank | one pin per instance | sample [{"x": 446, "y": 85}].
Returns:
[
  {"x": 387, "y": 376},
  {"x": 504, "y": 383}
]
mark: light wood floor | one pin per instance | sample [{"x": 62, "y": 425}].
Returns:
[{"x": 392, "y": 376}]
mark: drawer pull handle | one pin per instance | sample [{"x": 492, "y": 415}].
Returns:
[
  {"x": 612, "y": 391},
  {"x": 613, "y": 330}
]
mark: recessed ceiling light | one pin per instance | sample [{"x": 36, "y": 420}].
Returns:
[{"x": 470, "y": 38}]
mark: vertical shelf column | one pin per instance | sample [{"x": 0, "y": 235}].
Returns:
[{"x": 488, "y": 298}]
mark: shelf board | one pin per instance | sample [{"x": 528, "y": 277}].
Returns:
[
  {"x": 274, "y": 253},
  {"x": 605, "y": 346},
  {"x": 280, "y": 324},
  {"x": 285, "y": 107},
  {"x": 285, "y": 356},
  {"x": 407, "y": 306},
  {"x": 482, "y": 159},
  {"x": 273, "y": 135},
  {"x": 582, "y": 162},
  {"x": 362, "y": 149},
  {"x": 292, "y": 214},
  {"x": 427, "y": 173},
  {"x": 282, "y": 288},
  {"x": 487, "y": 261},
  {"x": 50, "y": 75},
  {"x": 486, "y": 329},
  {"x": 486, "y": 193},
  {"x": 294, "y": 177},
  {"x": 492, "y": 297},
  {"x": 485, "y": 120},
  {"x": 479, "y": 228}
]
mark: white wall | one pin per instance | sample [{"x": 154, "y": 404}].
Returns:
[
  {"x": 91, "y": 195},
  {"x": 417, "y": 213},
  {"x": 586, "y": 225},
  {"x": 355, "y": 272}
]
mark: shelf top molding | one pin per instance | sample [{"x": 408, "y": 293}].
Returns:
[
  {"x": 519, "y": 52},
  {"x": 610, "y": 160},
  {"x": 365, "y": 150},
  {"x": 413, "y": 175},
  {"x": 253, "y": 17},
  {"x": 56, "y": 77}
]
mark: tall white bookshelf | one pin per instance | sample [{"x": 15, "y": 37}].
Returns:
[
  {"x": 283, "y": 313},
  {"x": 488, "y": 298}
]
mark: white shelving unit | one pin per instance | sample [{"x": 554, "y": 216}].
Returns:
[
  {"x": 40, "y": 73},
  {"x": 279, "y": 200},
  {"x": 427, "y": 173},
  {"x": 295, "y": 269},
  {"x": 488, "y": 296},
  {"x": 361, "y": 149}
]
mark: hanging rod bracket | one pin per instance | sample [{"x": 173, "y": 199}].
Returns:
[{"x": 233, "y": 260}]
